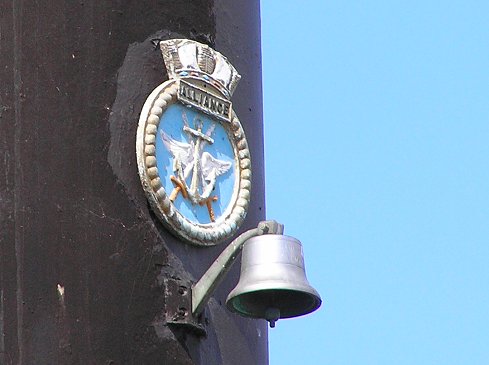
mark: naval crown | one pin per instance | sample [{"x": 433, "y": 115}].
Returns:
[{"x": 187, "y": 58}]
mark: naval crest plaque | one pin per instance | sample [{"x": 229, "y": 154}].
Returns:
[{"x": 193, "y": 157}]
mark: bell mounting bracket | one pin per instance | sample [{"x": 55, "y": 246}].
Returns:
[{"x": 185, "y": 302}]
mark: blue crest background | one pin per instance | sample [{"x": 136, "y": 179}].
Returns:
[{"x": 171, "y": 123}]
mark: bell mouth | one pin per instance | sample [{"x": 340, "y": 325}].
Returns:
[{"x": 290, "y": 303}]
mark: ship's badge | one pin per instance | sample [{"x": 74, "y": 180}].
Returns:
[{"x": 192, "y": 153}]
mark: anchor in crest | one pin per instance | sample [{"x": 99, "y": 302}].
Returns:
[{"x": 189, "y": 159}]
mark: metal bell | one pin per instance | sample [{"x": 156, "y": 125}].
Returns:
[{"x": 273, "y": 281}]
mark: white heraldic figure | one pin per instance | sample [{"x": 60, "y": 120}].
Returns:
[{"x": 189, "y": 159}]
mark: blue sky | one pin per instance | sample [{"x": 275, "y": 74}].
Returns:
[{"x": 377, "y": 153}]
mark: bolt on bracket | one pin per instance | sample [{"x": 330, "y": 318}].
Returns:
[{"x": 178, "y": 307}]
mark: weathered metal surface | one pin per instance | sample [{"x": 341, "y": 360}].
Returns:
[
  {"x": 178, "y": 308},
  {"x": 83, "y": 260}
]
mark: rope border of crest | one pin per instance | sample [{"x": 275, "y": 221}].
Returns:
[{"x": 198, "y": 234}]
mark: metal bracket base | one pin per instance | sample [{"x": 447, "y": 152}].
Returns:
[{"x": 178, "y": 309}]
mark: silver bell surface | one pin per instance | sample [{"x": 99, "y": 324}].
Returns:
[{"x": 273, "y": 281}]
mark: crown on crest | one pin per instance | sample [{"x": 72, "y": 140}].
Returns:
[{"x": 187, "y": 58}]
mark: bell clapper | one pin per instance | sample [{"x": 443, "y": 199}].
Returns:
[{"x": 272, "y": 315}]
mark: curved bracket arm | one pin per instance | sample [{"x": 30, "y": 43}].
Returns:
[{"x": 203, "y": 289}]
